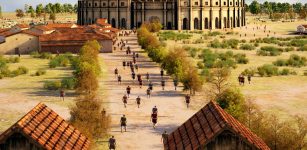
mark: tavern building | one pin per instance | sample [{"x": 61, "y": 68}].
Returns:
[{"x": 173, "y": 14}]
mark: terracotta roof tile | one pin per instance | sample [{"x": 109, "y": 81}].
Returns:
[
  {"x": 48, "y": 129},
  {"x": 304, "y": 25},
  {"x": 206, "y": 124},
  {"x": 23, "y": 25},
  {"x": 61, "y": 25}
]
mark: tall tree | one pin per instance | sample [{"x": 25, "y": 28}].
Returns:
[
  {"x": 30, "y": 9},
  {"x": 48, "y": 8},
  {"x": 254, "y": 7},
  {"x": 52, "y": 16},
  {"x": 267, "y": 8},
  {"x": 75, "y": 9},
  {"x": 39, "y": 9},
  {"x": 297, "y": 7}
]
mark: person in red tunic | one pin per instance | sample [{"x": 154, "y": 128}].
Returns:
[
  {"x": 62, "y": 94},
  {"x": 187, "y": 100},
  {"x": 128, "y": 89},
  {"x": 154, "y": 119},
  {"x": 138, "y": 101},
  {"x": 116, "y": 72},
  {"x": 125, "y": 99}
]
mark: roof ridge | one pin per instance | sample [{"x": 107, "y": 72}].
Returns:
[{"x": 216, "y": 107}]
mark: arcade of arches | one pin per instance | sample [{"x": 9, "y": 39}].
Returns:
[{"x": 173, "y": 14}]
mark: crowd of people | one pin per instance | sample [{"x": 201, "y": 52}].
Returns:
[{"x": 132, "y": 61}]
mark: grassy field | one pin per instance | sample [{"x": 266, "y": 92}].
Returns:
[
  {"x": 20, "y": 94},
  {"x": 285, "y": 95},
  {"x": 9, "y": 19}
]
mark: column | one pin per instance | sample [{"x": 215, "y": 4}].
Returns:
[
  {"x": 173, "y": 15},
  {"x": 191, "y": 16},
  {"x": 143, "y": 12},
  {"x": 128, "y": 13},
  {"x": 118, "y": 17},
  {"x": 179, "y": 15},
  {"x": 164, "y": 16}
]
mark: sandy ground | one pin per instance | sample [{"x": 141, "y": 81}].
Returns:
[{"x": 171, "y": 106}]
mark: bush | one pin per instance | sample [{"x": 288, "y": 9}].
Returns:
[
  {"x": 280, "y": 62},
  {"x": 298, "y": 42},
  {"x": 214, "y": 33},
  {"x": 269, "y": 51},
  {"x": 200, "y": 65},
  {"x": 303, "y": 48},
  {"x": 294, "y": 61},
  {"x": 247, "y": 47},
  {"x": 52, "y": 85},
  {"x": 68, "y": 83},
  {"x": 19, "y": 71},
  {"x": 243, "y": 41},
  {"x": 231, "y": 43},
  {"x": 44, "y": 55},
  {"x": 288, "y": 49},
  {"x": 267, "y": 70},
  {"x": 40, "y": 72},
  {"x": 250, "y": 72},
  {"x": 256, "y": 44},
  {"x": 171, "y": 35},
  {"x": 241, "y": 59},
  {"x": 13, "y": 60},
  {"x": 59, "y": 61},
  {"x": 284, "y": 72},
  {"x": 305, "y": 73},
  {"x": 199, "y": 41}
]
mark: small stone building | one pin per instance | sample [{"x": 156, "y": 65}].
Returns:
[
  {"x": 18, "y": 39},
  {"x": 42, "y": 129},
  {"x": 212, "y": 128}
]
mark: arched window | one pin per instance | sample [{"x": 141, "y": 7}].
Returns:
[
  {"x": 196, "y": 24},
  {"x": 185, "y": 24},
  {"x": 113, "y": 23},
  {"x": 217, "y": 23},
  {"x": 206, "y": 23}
]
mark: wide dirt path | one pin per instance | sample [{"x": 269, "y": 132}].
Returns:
[{"x": 172, "y": 110}]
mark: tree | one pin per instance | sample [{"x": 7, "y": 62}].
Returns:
[
  {"x": 267, "y": 8},
  {"x": 218, "y": 80},
  {"x": 48, "y": 8},
  {"x": 254, "y": 7},
  {"x": 19, "y": 13},
  {"x": 191, "y": 80},
  {"x": 303, "y": 13},
  {"x": 297, "y": 7},
  {"x": 26, "y": 8},
  {"x": 32, "y": 14},
  {"x": 30, "y": 10},
  {"x": 75, "y": 9},
  {"x": 52, "y": 16},
  {"x": 39, "y": 9}
]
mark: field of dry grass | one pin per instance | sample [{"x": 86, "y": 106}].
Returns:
[
  {"x": 20, "y": 94},
  {"x": 285, "y": 95}
]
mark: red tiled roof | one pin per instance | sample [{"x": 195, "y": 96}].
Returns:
[
  {"x": 44, "y": 28},
  {"x": 60, "y": 25},
  {"x": 4, "y": 30},
  {"x": 75, "y": 34},
  {"x": 102, "y": 21},
  {"x": 23, "y": 25},
  {"x": 205, "y": 125},
  {"x": 48, "y": 130},
  {"x": 8, "y": 33},
  {"x": 304, "y": 25},
  {"x": 30, "y": 33}
]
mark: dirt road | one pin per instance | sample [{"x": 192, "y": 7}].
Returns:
[{"x": 172, "y": 110}]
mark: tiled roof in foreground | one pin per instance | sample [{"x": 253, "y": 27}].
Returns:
[
  {"x": 207, "y": 124},
  {"x": 48, "y": 130}
]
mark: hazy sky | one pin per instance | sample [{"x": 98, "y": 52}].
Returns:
[{"x": 12, "y": 5}]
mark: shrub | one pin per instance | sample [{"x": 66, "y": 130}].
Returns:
[
  {"x": 40, "y": 72},
  {"x": 303, "y": 48},
  {"x": 68, "y": 83},
  {"x": 171, "y": 35},
  {"x": 214, "y": 33},
  {"x": 19, "y": 71},
  {"x": 241, "y": 58},
  {"x": 298, "y": 42},
  {"x": 13, "y": 60},
  {"x": 59, "y": 61},
  {"x": 199, "y": 41},
  {"x": 243, "y": 41},
  {"x": 288, "y": 49},
  {"x": 44, "y": 55},
  {"x": 267, "y": 70},
  {"x": 200, "y": 65},
  {"x": 269, "y": 51},
  {"x": 52, "y": 85},
  {"x": 284, "y": 72},
  {"x": 247, "y": 47},
  {"x": 296, "y": 61},
  {"x": 305, "y": 73},
  {"x": 249, "y": 71},
  {"x": 256, "y": 44}
]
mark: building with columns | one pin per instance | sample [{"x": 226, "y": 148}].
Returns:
[{"x": 173, "y": 14}]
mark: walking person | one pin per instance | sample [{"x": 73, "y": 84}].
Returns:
[
  {"x": 139, "y": 76},
  {"x": 125, "y": 100},
  {"x": 154, "y": 119},
  {"x": 141, "y": 83},
  {"x": 147, "y": 76},
  {"x": 116, "y": 72},
  {"x": 175, "y": 83},
  {"x": 164, "y": 137},
  {"x": 187, "y": 100},
  {"x": 163, "y": 84},
  {"x": 128, "y": 89},
  {"x": 124, "y": 64},
  {"x": 137, "y": 55},
  {"x": 242, "y": 80},
  {"x": 119, "y": 79},
  {"x": 148, "y": 92},
  {"x": 138, "y": 101},
  {"x": 162, "y": 73},
  {"x": 62, "y": 94},
  {"x": 133, "y": 76},
  {"x": 123, "y": 123},
  {"x": 155, "y": 110},
  {"x": 112, "y": 143},
  {"x": 249, "y": 78}
]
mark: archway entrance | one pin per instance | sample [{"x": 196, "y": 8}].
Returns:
[
  {"x": 169, "y": 25},
  {"x": 216, "y": 23},
  {"x": 206, "y": 23},
  {"x": 123, "y": 23},
  {"x": 185, "y": 24},
  {"x": 225, "y": 22},
  {"x": 196, "y": 24},
  {"x": 113, "y": 23}
]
